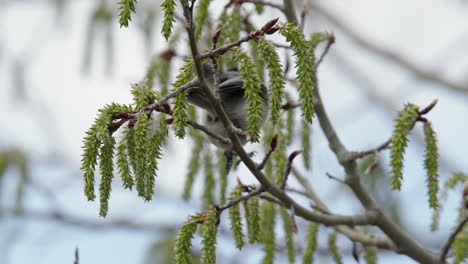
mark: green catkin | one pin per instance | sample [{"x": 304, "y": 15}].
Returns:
[
  {"x": 252, "y": 216},
  {"x": 308, "y": 255},
  {"x": 235, "y": 218},
  {"x": 267, "y": 232},
  {"x": 288, "y": 230},
  {"x": 403, "y": 124}
]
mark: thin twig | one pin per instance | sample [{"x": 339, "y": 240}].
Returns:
[
  {"x": 77, "y": 257},
  {"x": 450, "y": 240},
  {"x": 273, "y": 144},
  {"x": 291, "y": 158},
  {"x": 335, "y": 178},
  {"x": 251, "y": 194},
  {"x": 268, "y": 28},
  {"x": 362, "y": 154},
  {"x": 331, "y": 40},
  {"x": 210, "y": 133},
  {"x": 384, "y": 52}
]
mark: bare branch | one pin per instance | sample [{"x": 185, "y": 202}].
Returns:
[
  {"x": 291, "y": 158},
  {"x": 210, "y": 133},
  {"x": 450, "y": 240},
  {"x": 267, "y": 29},
  {"x": 331, "y": 40},
  {"x": 273, "y": 144},
  {"x": 251, "y": 194},
  {"x": 387, "y": 54}
]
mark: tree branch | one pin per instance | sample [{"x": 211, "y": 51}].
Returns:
[
  {"x": 450, "y": 240},
  {"x": 387, "y": 54}
]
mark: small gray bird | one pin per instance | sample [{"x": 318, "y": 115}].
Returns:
[{"x": 230, "y": 93}]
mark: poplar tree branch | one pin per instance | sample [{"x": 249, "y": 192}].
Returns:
[
  {"x": 365, "y": 219},
  {"x": 404, "y": 243},
  {"x": 450, "y": 240},
  {"x": 386, "y": 53}
]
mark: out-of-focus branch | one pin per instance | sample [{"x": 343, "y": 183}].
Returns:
[
  {"x": 450, "y": 240},
  {"x": 368, "y": 87},
  {"x": 386, "y": 53},
  {"x": 404, "y": 243}
]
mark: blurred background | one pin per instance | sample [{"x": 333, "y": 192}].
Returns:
[{"x": 61, "y": 60}]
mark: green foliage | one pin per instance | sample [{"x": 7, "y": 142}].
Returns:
[
  {"x": 258, "y": 59},
  {"x": 194, "y": 165},
  {"x": 201, "y": 14},
  {"x": 180, "y": 114},
  {"x": 92, "y": 142},
  {"x": 123, "y": 163},
  {"x": 231, "y": 25},
  {"x": 370, "y": 255},
  {"x": 454, "y": 180},
  {"x": 318, "y": 37},
  {"x": 168, "y": 7},
  {"x": 460, "y": 246},
  {"x": 235, "y": 217},
  {"x": 164, "y": 75},
  {"x": 333, "y": 249},
  {"x": 305, "y": 138},
  {"x": 252, "y": 92},
  {"x": 279, "y": 158},
  {"x": 141, "y": 141},
  {"x": 154, "y": 152},
  {"x": 161, "y": 68},
  {"x": 183, "y": 242},
  {"x": 106, "y": 168},
  {"x": 276, "y": 78},
  {"x": 180, "y": 102},
  {"x": 126, "y": 8},
  {"x": 259, "y": 8},
  {"x": 22, "y": 163},
  {"x": 267, "y": 234},
  {"x": 234, "y": 25},
  {"x": 305, "y": 72},
  {"x": 208, "y": 198},
  {"x": 252, "y": 217},
  {"x": 431, "y": 164},
  {"x": 288, "y": 230},
  {"x": 4, "y": 163},
  {"x": 403, "y": 124},
  {"x": 223, "y": 180},
  {"x": 209, "y": 230},
  {"x": 308, "y": 255},
  {"x": 289, "y": 125},
  {"x": 143, "y": 95}
]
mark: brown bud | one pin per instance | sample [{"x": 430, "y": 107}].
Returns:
[
  {"x": 428, "y": 108},
  {"x": 269, "y": 24},
  {"x": 120, "y": 115},
  {"x": 167, "y": 108},
  {"x": 422, "y": 119},
  {"x": 216, "y": 36},
  {"x": 274, "y": 143},
  {"x": 169, "y": 121},
  {"x": 271, "y": 30},
  {"x": 132, "y": 122},
  {"x": 293, "y": 155},
  {"x": 112, "y": 127},
  {"x": 167, "y": 54},
  {"x": 294, "y": 224},
  {"x": 331, "y": 38}
]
